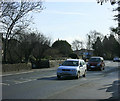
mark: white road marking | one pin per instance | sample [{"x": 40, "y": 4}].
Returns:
[
  {"x": 19, "y": 82},
  {"x": 29, "y": 80},
  {"x": 4, "y": 84},
  {"x": 17, "y": 73},
  {"x": 49, "y": 76},
  {"x": 108, "y": 62}
]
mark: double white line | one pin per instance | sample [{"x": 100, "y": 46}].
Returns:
[
  {"x": 4, "y": 84},
  {"x": 16, "y": 73},
  {"x": 29, "y": 80}
]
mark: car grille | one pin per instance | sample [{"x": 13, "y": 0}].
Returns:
[
  {"x": 65, "y": 69},
  {"x": 93, "y": 64}
]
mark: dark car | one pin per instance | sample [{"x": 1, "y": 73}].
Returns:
[{"x": 96, "y": 63}]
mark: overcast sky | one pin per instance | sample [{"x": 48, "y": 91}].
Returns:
[{"x": 73, "y": 19}]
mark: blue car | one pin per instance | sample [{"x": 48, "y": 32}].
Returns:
[{"x": 116, "y": 59}]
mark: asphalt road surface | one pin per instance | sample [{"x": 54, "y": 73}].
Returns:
[{"x": 43, "y": 84}]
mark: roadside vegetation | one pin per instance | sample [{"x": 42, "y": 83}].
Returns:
[{"x": 20, "y": 44}]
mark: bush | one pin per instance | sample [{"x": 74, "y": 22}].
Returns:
[
  {"x": 40, "y": 64},
  {"x": 32, "y": 59},
  {"x": 73, "y": 56}
]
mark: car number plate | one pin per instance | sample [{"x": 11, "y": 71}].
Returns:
[
  {"x": 65, "y": 73},
  {"x": 92, "y": 66}
]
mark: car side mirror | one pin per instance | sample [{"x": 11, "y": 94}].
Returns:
[
  {"x": 80, "y": 65},
  {"x": 60, "y": 64}
]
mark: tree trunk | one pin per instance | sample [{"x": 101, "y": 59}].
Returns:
[
  {"x": 119, "y": 22},
  {"x": 5, "y": 49}
]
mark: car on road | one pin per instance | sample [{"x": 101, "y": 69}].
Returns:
[
  {"x": 116, "y": 59},
  {"x": 96, "y": 63},
  {"x": 73, "y": 68}
]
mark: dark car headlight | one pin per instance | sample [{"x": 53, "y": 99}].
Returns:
[
  {"x": 88, "y": 64},
  {"x": 99, "y": 64}
]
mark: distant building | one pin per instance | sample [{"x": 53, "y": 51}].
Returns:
[{"x": 84, "y": 53}]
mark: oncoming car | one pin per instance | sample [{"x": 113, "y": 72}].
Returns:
[
  {"x": 72, "y": 67},
  {"x": 116, "y": 59},
  {"x": 96, "y": 63}
]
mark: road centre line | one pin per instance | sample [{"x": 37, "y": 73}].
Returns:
[
  {"x": 33, "y": 71},
  {"x": 75, "y": 85},
  {"x": 16, "y": 73},
  {"x": 4, "y": 84},
  {"x": 18, "y": 82},
  {"x": 29, "y": 80},
  {"x": 48, "y": 76},
  {"x": 22, "y": 72},
  {"x": 25, "y": 81}
]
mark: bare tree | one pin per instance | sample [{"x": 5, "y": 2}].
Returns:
[
  {"x": 117, "y": 16},
  {"x": 102, "y": 1},
  {"x": 14, "y": 16},
  {"x": 92, "y": 37},
  {"x": 89, "y": 42},
  {"x": 77, "y": 45},
  {"x": 30, "y": 44},
  {"x": 42, "y": 44}
]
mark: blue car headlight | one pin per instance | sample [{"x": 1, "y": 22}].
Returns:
[
  {"x": 58, "y": 69},
  {"x": 73, "y": 70},
  {"x": 98, "y": 64}
]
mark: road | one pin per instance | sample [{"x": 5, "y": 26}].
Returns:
[{"x": 43, "y": 84}]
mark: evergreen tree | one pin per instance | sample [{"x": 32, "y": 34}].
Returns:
[
  {"x": 98, "y": 47},
  {"x": 113, "y": 46},
  {"x": 106, "y": 51}
]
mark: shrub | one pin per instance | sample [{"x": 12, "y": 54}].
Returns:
[{"x": 73, "y": 56}]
